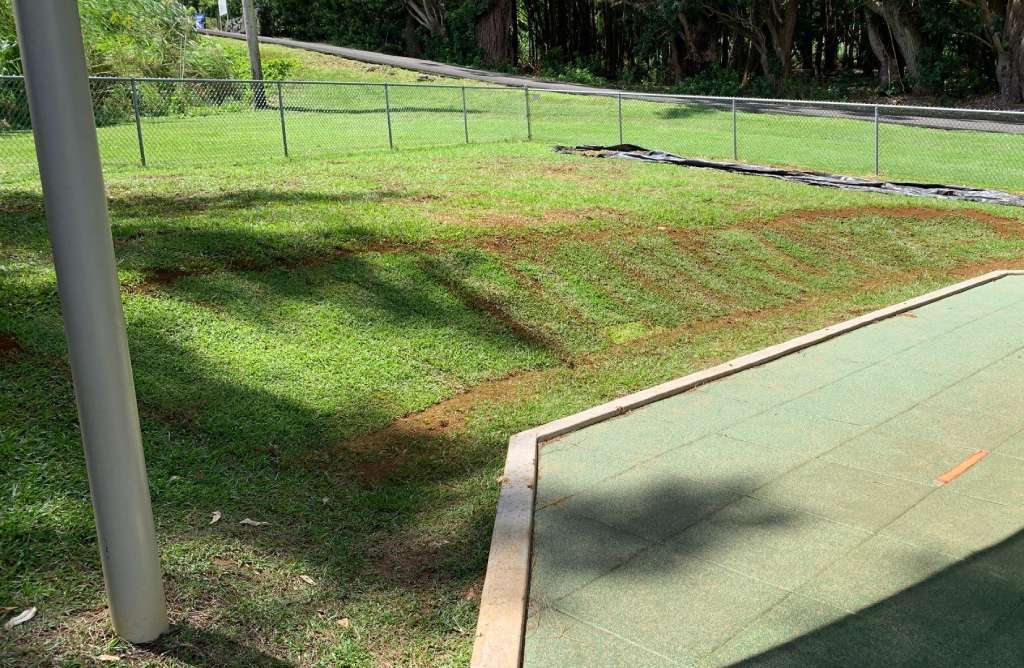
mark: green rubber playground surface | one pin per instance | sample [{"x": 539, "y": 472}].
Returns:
[{"x": 791, "y": 514}]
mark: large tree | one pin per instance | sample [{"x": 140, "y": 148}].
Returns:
[
  {"x": 902, "y": 26},
  {"x": 1003, "y": 31}
]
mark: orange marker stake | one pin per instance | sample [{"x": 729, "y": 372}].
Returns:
[{"x": 961, "y": 468}]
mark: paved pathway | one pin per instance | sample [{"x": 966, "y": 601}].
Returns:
[{"x": 790, "y": 514}]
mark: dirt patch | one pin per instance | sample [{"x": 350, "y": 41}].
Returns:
[
  {"x": 9, "y": 346},
  {"x": 1013, "y": 225},
  {"x": 373, "y": 473}
]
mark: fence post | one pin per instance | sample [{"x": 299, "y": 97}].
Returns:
[
  {"x": 877, "y": 147},
  {"x": 280, "y": 106},
  {"x": 735, "y": 138},
  {"x": 465, "y": 117},
  {"x": 529, "y": 126},
  {"x": 620, "y": 117},
  {"x": 387, "y": 111},
  {"x": 138, "y": 121}
]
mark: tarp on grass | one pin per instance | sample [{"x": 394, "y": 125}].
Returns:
[{"x": 631, "y": 152}]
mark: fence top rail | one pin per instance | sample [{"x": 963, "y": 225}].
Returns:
[{"x": 632, "y": 95}]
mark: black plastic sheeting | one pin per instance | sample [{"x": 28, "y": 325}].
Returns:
[{"x": 631, "y": 152}]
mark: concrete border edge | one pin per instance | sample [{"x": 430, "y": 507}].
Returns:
[{"x": 501, "y": 623}]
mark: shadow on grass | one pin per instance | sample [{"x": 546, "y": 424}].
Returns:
[{"x": 198, "y": 647}]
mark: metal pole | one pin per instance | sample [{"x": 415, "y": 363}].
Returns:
[
  {"x": 280, "y": 106},
  {"x": 877, "y": 147},
  {"x": 53, "y": 59},
  {"x": 252, "y": 39},
  {"x": 138, "y": 121},
  {"x": 465, "y": 117},
  {"x": 387, "y": 110},
  {"x": 620, "y": 117},
  {"x": 735, "y": 138},
  {"x": 529, "y": 126}
]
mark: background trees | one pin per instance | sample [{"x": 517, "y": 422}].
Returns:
[{"x": 834, "y": 48}]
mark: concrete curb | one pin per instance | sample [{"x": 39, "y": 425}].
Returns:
[{"x": 501, "y": 625}]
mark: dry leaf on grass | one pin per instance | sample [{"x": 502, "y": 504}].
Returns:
[
  {"x": 253, "y": 523},
  {"x": 308, "y": 580},
  {"x": 344, "y": 622},
  {"x": 108, "y": 658},
  {"x": 20, "y": 618},
  {"x": 215, "y": 517}
]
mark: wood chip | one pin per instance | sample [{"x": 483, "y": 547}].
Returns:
[
  {"x": 253, "y": 523},
  {"x": 308, "y": 580},
  {"x": 110, "y": 658},
  {"x": 20, "y": 618}
]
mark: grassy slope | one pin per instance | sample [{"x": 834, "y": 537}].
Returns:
[
  {"x": 284, "y": 317},
  {"x": 312, "y": 66}
]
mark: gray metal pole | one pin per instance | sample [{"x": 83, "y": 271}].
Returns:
[
  {"x": 252, "y": 39},
  {"x": 529, "y": 125},
  {"x": 465, "y": 115},
  {"x": 387, "y": 111},
  {"x": 280, "y": 106},
  {"x": 620, "y": 117},
  {"x": 53, "y": 59},
  {"x": 735, "y": 137},
  {"x": 877, "y": 147},
  {"x": 138, "y": 121}
]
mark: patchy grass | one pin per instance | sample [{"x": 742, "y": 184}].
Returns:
[{"x": 342, "y": 348}]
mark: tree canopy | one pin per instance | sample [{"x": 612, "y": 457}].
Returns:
[{"x": 944, "y": 48}]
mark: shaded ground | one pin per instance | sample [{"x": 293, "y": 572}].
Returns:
[
  {"x": 791, "y": 514},
  {"x": 341, "y": 348}
]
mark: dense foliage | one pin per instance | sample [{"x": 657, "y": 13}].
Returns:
[{"x": 939, "y": 48}]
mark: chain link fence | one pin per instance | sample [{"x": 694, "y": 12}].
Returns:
[{"x": 166, "y": 122}]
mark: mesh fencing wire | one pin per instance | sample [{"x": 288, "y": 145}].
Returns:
[{"x": 171, "y": 122}]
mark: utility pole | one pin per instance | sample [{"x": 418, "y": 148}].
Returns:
[
  {"x": 252, "y": 38},
  {"x": 60, "y": 104}
]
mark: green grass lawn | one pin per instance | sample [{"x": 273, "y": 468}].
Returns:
[
  {"x": 327, "y": 119},
  {"x": 342, "y": 347}
]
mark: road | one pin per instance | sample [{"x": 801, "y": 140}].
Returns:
[{"x": 961, "y": 119}]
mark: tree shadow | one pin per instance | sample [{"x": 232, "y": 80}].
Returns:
[
  {"x": 199, "y": 647},
  {"x": 969, "y": 614}
]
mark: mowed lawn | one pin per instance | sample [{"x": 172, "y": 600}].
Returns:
[
  {"x": 334, "y": 120},
  {"x": 342, "y": 347}
]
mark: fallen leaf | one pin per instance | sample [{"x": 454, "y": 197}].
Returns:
[
  {"x": 344, "y": 622},
  {"x": 173, "y": 478},
  {"x": 326, "y": 499},
  {"x": 20, "y": 618},
  {"x": 253, "y": 523},
  {"x": 108, "y": 657},
  {"x": 215, "y": 517},
  {"x": 307, "y": 579}
]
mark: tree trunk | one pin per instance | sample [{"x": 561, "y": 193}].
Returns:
[
  {"x": 886, "y": 62},
  {"x": 701, "y": 45},
  {"x": 1004, "y": 27},
  {"x": 496, "y": 34},
  {"x": 905, "y": 33}
]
